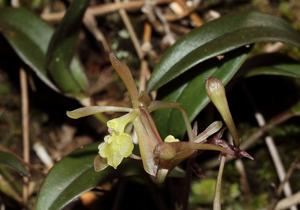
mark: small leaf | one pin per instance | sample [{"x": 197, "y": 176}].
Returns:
[
  {"x": 218, "y": 37},
  {"x": 287, "y": 70},
  {"x": 11, "y": 160},
  {"x": 67, "y": 73},
  {"x": 192, "y": 96},
  {"x": 74, "y": 175}
]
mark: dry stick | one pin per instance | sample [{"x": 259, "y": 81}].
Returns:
[
  {"x": 187, "y": 11},
  {"x": 25, "y": 128},
  {"x": 146, "y": 47},
  {"x": 278, "y": 119},
  {"x": 25, "y": 121},
  {"x": 148, "y": 10},
  {"x": 276, "y": 158},
  {"x": 131, "y": 32},
  {"x": 144, "y": 75},
  {"x": 272, "y": 150},
  {"x": 196, "y": 20},
  {"x": 253, "y": 138},
  {"x": 289, "y": 173},
  {"x": 169, "y": 37},
  {"x": 91, "y": 24},
  {"x": 103, "y": 9},
  {"x": 147, "y": 35},
  {"x": 243, "y": 178},
  {"x": 288, "y": 202}
]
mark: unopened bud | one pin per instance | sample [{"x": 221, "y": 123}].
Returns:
[{"x": 216, "y": 92}]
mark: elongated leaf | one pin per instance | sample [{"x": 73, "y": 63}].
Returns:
[
  {"x": 192, "y": 95},
  {"x": 11, "y": 160},
  {"x": 61, "y": 50},
  {"x": 287, "y": 70},
  {"x": 74, "y": 175},
  {"x": 217, "y": 37},
  {"x": 29, "y": 36}
]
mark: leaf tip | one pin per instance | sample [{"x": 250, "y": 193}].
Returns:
[{"x": 71, "y": 115}]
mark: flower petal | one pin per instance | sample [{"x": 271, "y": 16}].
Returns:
[
  {"x": 116, "y": 147},
  {"x": 119, "y": 124},
  {"x": 91, "y": 110},
  {"x": 125, "y": 145}
]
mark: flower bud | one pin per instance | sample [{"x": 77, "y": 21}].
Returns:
[{"x": 216, "y": 92}]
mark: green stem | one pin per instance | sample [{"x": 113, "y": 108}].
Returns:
[
  {"x": 217, "y": 199},
  {"x": 172, "y": 105}
]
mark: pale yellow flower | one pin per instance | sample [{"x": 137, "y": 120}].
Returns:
[
  {"x": 115, "y": 148},
  {"x": 118, "y": 145},
  {"x": 119, "y": 124},
  {"x": 170, "y": 139}
]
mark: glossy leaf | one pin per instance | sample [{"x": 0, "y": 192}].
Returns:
[
  {"x": 217, "y": 37},
  {"x": 74, "y": 175},
  {"x": 61, "y": 49},
  {"x": 29, "y": 36},
  {"x": 192, "y": 95},
  {"x": 11, "y": 160},
  {"x": 287, "y": 70}
]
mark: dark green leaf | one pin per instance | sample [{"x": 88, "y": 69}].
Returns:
[
  {"x": 217, "y": 37},
  {"x": 29, "y": 36},
  {"x": 192, "y": 95},
  {"x": 74, "y": 175},
  {"x": 11, "y": 160},
  {"x": 61, "y": 51},
  {"x": 287, "y": 70}
]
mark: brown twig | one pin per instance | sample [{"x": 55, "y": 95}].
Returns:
[
  {"x": 279, "y": 190},
  {"x": 146, "y": 48},
  {"x": 243, "y": 179},
  {"x": 131, "y": 31},
  {"x": 169, "y": 36},
  {"x": 260, "y": 132},
  {"x": 276, "y": 159},
  {"x": 103, "y": 9},
  {"x": 147, "y": 35},
  {"x": 91, "y": 24},
  {"x": 25, "y": 128},
  {"x": 288, "y": 202}
]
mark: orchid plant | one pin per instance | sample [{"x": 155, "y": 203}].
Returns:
[{"x": 159, "y": 156}]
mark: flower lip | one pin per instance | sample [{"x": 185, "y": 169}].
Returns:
[{"x": 115, "y": 148}]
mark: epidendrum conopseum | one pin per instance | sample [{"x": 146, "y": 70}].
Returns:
[{"x": 159, "y": 156}]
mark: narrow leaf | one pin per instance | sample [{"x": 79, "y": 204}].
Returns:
[
  {"x": 74, "y": 175},
  {"x": 29, "y": 36},
  {"x": 11, "y": 160},
  {"x": 217, "y": 37},
  {"x": 67, "y": 73},
  {"x": 287, "y": 70}
]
